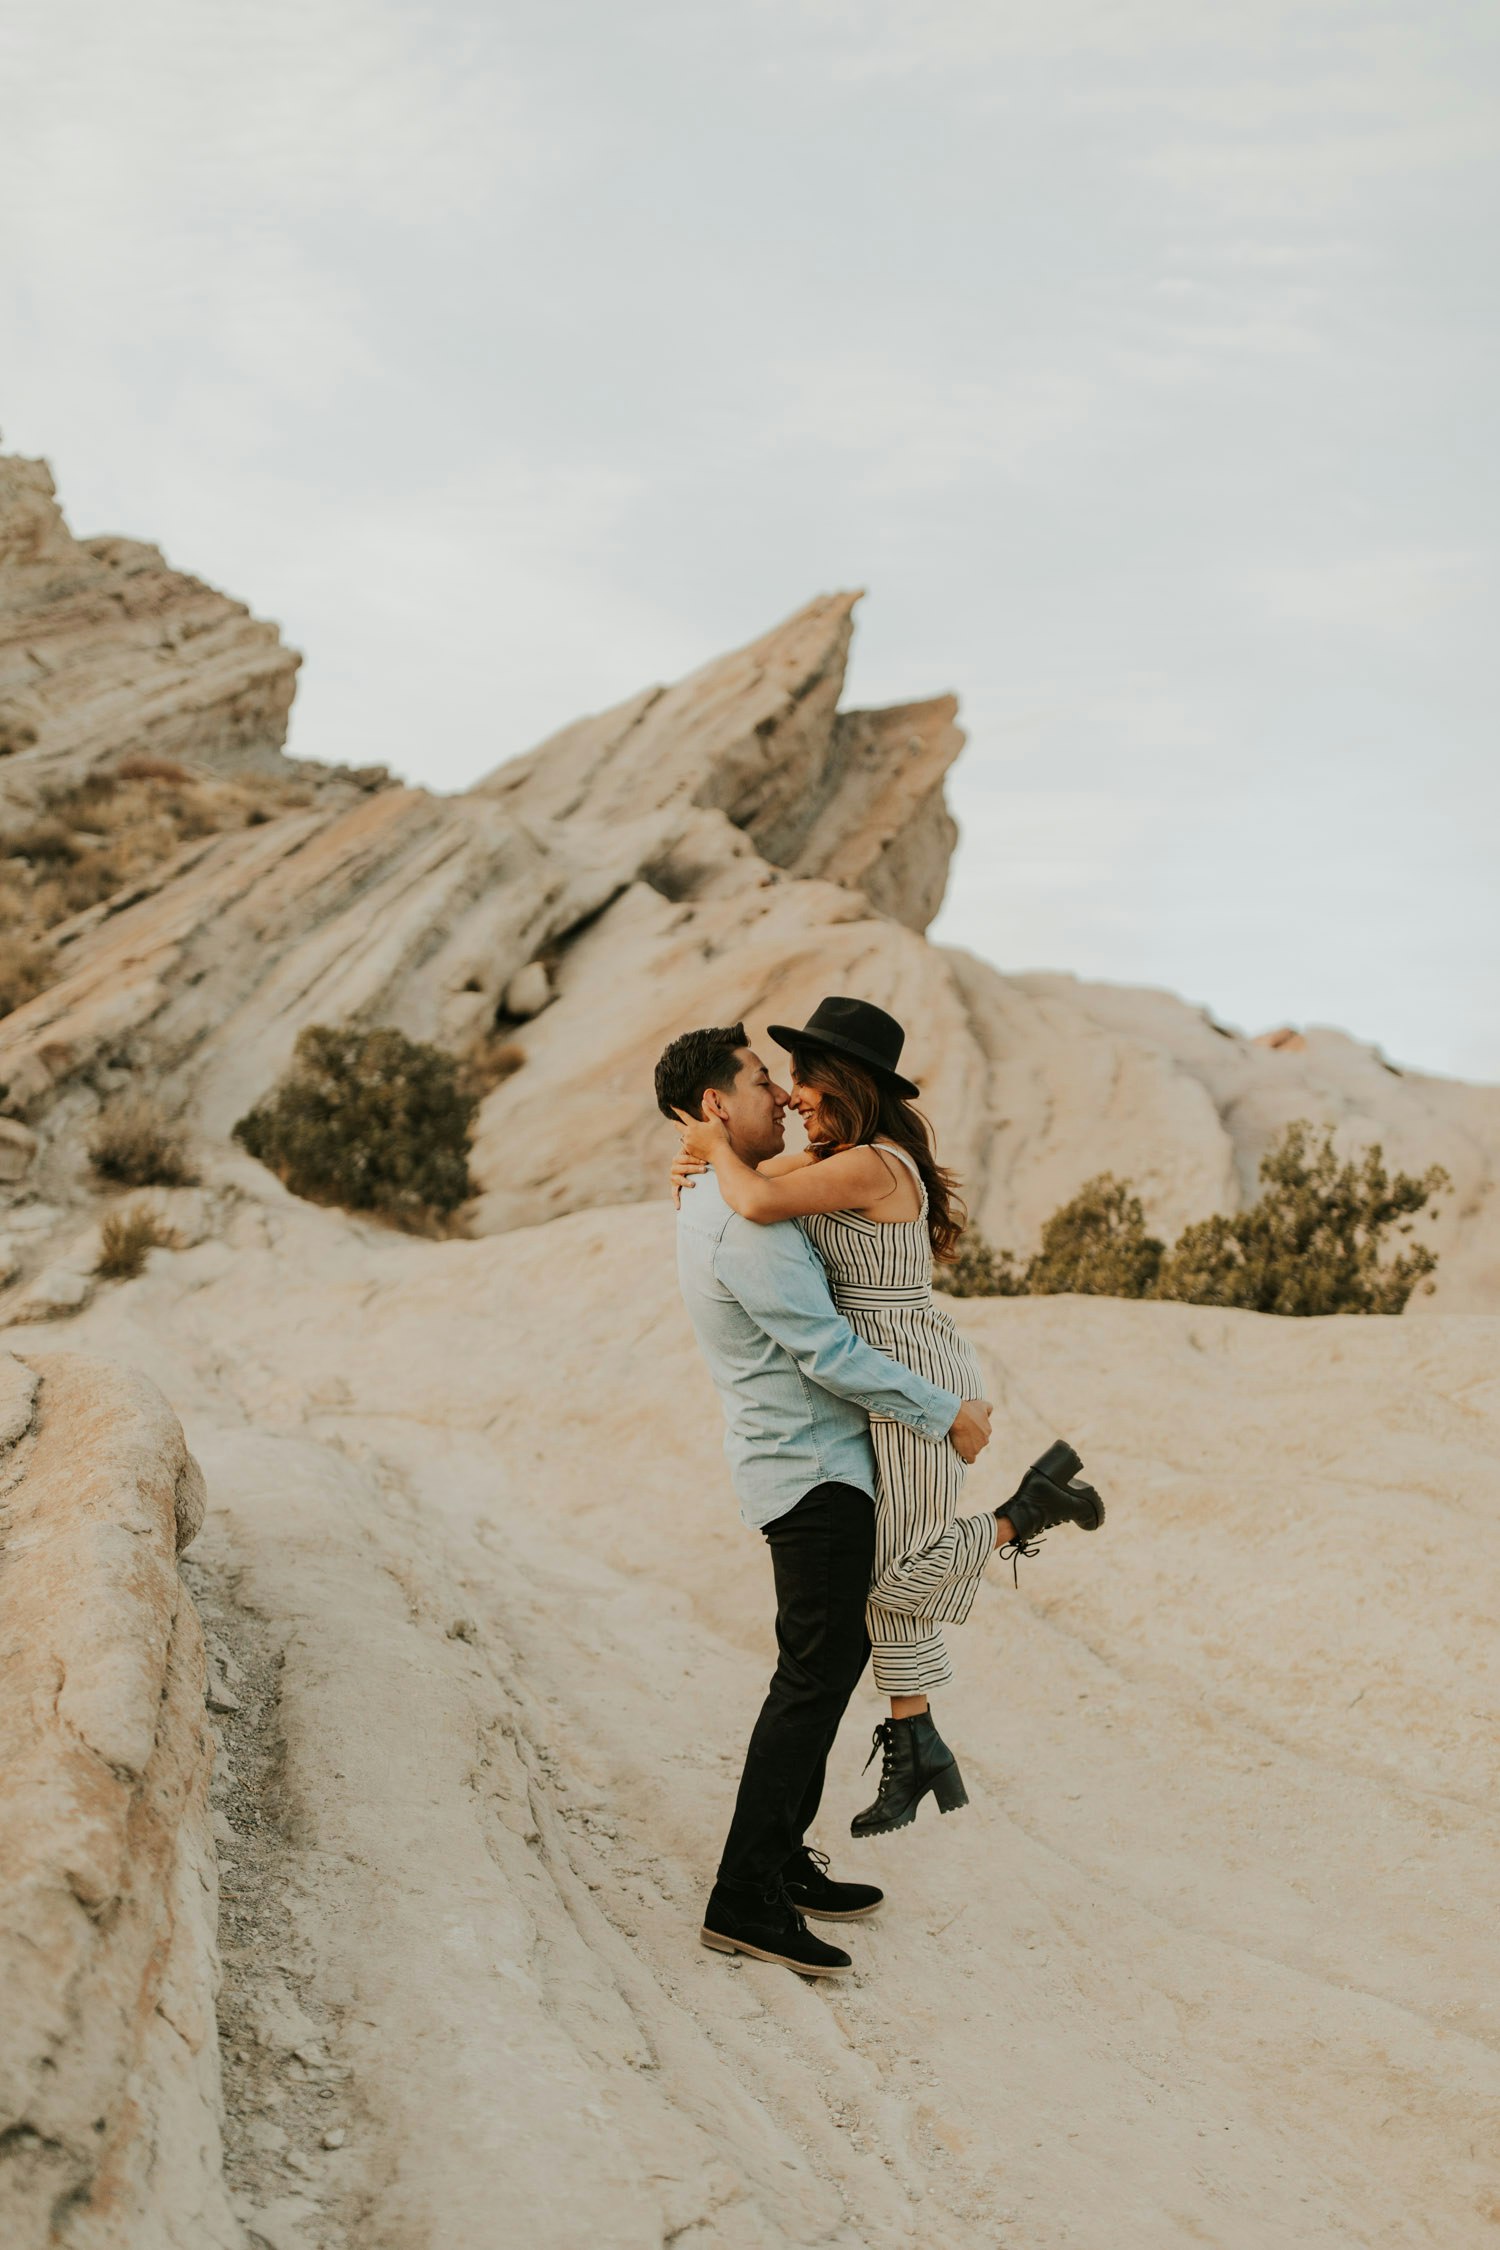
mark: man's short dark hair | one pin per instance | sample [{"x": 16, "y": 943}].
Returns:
[{"x": 694, "y": 1062}]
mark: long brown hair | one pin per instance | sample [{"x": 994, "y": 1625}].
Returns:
[{"x": 857, "y": 1107}]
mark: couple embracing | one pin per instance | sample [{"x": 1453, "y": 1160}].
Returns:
[{"x": 853, "y": 1407}]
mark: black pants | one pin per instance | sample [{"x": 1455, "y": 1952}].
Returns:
[{"x": 823, "y": 1552}]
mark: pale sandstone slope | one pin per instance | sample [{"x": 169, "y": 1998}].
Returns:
[{"x": 1208, "y": 1958}]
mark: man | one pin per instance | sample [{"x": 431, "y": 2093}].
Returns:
[{"x": 797, "y": 1387}]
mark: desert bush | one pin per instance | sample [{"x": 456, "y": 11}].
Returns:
[
  {"x": 979, "y": 1270},
  {"x": 1097, "y": 1245},
  {"x": 135, "y": 1144},
  {"x": 371, "y": 1120},
  {"x": 126, "y": 1237},
  {"x": 1313, "y": 1243},
  {"x": 25, "y": 970},
  {"x": 1094, "y": 1246}
]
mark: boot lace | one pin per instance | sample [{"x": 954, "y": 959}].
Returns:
[
  {"x": 884, "y": 1740},
  {"x": 1016, "y": 1550}
]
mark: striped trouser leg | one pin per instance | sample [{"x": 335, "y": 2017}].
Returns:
[
  {"x": 928, "y": 1559},
  {"x": 938, "y": 1581},
  {"x": 907, "y": 1656}
]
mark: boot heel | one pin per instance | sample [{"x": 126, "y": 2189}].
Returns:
[
  {"x": 1059, "y": 1462},
  {"x": 949, "y": 1790}
]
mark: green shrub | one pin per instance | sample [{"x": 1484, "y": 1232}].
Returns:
[
  {"x": 370, "y": 1120},
  {"x": 1097, "y": 1245},
  {"x": 1312, "y": 1244},
  {"x": 126, "y": 1237},
  {"x": 981, "y": 1271},
  {"x": 135, "y": 1144}
]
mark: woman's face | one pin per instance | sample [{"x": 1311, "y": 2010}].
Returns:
[{"x": 807, "y": 1102}]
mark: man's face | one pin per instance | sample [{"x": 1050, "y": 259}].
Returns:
[{"x": 751, "y": 1111}]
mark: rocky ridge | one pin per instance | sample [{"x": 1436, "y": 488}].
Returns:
[{"x": 731, "y": 846}]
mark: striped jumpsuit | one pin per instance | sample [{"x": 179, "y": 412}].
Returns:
[{"x": 928, "y": 1558}]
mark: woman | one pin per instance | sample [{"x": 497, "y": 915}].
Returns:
[{"x": 879, "y": 1208}]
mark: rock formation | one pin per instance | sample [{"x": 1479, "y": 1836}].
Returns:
[
  {"x": 730, "y": 847},
  {"x": 856, "y": 797},
  {"x": 109, "y": 2067},
  {"x": 105, "y": 648}
]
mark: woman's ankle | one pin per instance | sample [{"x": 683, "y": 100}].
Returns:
[{"x": 908, "y": 1706}]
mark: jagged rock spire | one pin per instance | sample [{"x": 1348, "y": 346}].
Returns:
[{"x": 856, "y": 797}]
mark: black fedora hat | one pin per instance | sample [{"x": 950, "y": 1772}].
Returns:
[{"x": 857, "y": 1028}]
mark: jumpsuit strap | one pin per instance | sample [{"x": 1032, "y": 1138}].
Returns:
[{"x": 889, "y": 1148}]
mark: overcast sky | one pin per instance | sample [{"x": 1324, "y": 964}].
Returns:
[{"x": 1140, "y": 359}]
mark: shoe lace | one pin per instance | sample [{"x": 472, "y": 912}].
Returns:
[
  {"x": 1015, "y": 1550},
  {"x": 883, "y": 1739},
  {"x": 818, "y": 1859},
  {"x": 777, "y": 1894}
]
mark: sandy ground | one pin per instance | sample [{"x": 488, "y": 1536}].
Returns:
[{"x": 1211, "y": 1959}]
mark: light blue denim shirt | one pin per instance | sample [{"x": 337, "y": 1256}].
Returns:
[{"x": 796, "y": 1384}]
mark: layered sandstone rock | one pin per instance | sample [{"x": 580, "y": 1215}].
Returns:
[
  {"x": 109, "y": 2103},
  {"x": 105, "y": 648},
  {"x": 758, "y": 736},
  {"x": 730, "y": 847}
]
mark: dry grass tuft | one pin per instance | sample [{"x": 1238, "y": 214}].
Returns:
[
  {"x": 125, "y": 1239},
  {"x": 25, "y": 970},
  {"x": 142, "y": 765},
  {"x": 94, "y": 837},
  {"x": 489, "y": 1062},
  {"x": 136, "y": 1144}
]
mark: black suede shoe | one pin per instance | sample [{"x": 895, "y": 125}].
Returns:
[
  {"x": 769, "y": 1928},
  {"x": 1050, "y": 1493},
  {"x": 916, "y": 1760},
  {"x": 812, "y": 1890}
]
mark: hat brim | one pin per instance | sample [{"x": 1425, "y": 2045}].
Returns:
[{"x": 785, "y": 1036}]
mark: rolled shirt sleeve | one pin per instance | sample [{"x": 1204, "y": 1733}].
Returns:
[{"x": 779, "y": 1279}]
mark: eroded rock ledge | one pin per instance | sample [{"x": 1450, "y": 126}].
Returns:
[
  {"x": 109, "y": 2069},
  {"x": 104, "y": 647}
]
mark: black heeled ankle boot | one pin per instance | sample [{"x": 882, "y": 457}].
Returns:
[
  {"x": 916, "y": 1759},
  {"x": 1050, "y": 1493}
]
